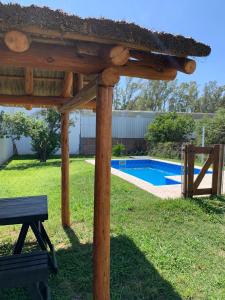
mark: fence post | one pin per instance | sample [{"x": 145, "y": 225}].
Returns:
[
  {"x": 216, "y": 158},
  {"x": 220, "y": 171},
  {"x": 191, "y": 164}
]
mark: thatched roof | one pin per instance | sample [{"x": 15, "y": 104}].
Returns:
[{"x": 74, "y": 27}]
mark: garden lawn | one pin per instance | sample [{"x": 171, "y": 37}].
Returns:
[{"x": 160, "y": 249}]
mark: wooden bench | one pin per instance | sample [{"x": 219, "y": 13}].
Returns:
[{"x": 28, "y": 270}]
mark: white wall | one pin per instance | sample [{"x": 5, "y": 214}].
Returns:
[
  {"x": 6, "y": 150},
  {"x": 125, "y": 124},
  {"x": 24, "y": 144}
]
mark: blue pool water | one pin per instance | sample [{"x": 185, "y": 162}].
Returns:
[{"x": 152, "y": 171}]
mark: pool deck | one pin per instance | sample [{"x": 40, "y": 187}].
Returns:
[{"x": 171, "y": 191}]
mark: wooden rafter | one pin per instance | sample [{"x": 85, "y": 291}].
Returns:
[
  {"x": 68, "y": 85},
  {"x": 135, "y": 69},
  {"x": 160, "y": 61},
  {"x": 29, "y": 81},
  {"x": 85, "y": 95},
  {"x": 40, "y": 101}
]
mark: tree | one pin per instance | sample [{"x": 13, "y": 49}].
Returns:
[
  {"x": 14, "y": 126},
  {"x": 185, "y": 98},
  {"x": 214, "y": 128},
  {"x": 126, "y": 94},
  {"x": 213, "y": 97},
  {"x": 155, "y": 95},
  {"x": 44, "y": 131}
]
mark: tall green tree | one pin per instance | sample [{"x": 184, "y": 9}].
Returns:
[
  {"x": 213, "y": 97},
  {"x": 214, "y": 128},
  {"x": 155, "y": 95}
]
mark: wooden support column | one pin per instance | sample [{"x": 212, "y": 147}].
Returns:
[
  {"x": 65, "y": 207},
  {"x": 102, "y": 193}
]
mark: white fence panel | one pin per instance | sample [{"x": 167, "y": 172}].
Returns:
[{"x": 6, "y": 150}]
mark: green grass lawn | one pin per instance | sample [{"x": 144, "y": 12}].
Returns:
[{"x": 160, "y": 249}]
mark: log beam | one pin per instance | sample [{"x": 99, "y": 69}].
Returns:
[
  {"x": 65, "y": 205},
  {"x": 78, "y": 83},
  {"x": 160, "y": 61},
  {"x": 101, "y": 248},
  {"x": 17, "y": 41},
  {"x": 134, "y": 69},
  {"x": 85, "y": 95},
  {"x": 40, "y": 101},
  {"x": 55, "y": 57}
]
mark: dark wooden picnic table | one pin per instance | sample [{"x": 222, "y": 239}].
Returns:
[{"x": 31, "y": 212}]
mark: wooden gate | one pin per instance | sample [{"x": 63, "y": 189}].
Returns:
[{"x": 215, "y": 158}]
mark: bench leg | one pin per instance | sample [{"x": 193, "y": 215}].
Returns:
[
  {"x": 35, "y": 292},
  {"x": 45, "y": 290},
  {"x": 43, "y": 241},
  {"x": 20, "y": 242}
]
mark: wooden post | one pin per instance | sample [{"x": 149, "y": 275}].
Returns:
[
  {"x": 101, "y": 249},
  {"x": 220, "y": 176},
  {"x": 65, "y": 209},
  {"x": 216, "y": 154}
]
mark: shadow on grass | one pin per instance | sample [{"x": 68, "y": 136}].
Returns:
[
  {"x": 33, "y": 164},
  {"x": 132, "y": 275},
  {"x": 211, "y": 205}
]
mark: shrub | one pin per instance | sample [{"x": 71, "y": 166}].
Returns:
[
  {"x": 170, "y": 127},
  {"x": 166, "y": 134},
  {"x": 118, "y": 150},
  {"x": 214, "y": 128},
  {"x": 45, "y": 133},
  {"x": 166, "y": 150}
]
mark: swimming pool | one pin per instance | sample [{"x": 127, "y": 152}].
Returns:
[{"x": 152, "y": 171}]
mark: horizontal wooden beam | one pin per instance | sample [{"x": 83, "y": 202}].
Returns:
[
  {"x": 181, "y": 64},
  {"x": 134, "y": 69},
  {"x": 54, "y": 57},
  {"x": 40, "y": 101},
  {"x": 85, "y": 95}
]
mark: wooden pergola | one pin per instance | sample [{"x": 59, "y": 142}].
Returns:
[{"x": 51, "y": 59}]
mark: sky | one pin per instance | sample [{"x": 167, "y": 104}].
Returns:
[{"x": 204, "y": 20}]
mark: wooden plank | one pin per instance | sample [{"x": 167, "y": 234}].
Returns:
[
  {"x": 102, "y": 194},
  {"x": 54, "y": 57},
  {"x": 205, "y": 191},
  {"x": 203, "y": 150},
  {"x": 134, "y": 69},
  {"x": 23, "y": 210},
  {"x": 191, "y": 164},
  {"x": 85, "y": 95},
  {"x": 67, "y": 85},
  {"x": 65, "y": 205},
  {"x": 216, "y": 152},
  {"x": 203, "y": 171},
  {"x": 181, "y": 64}
]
